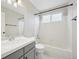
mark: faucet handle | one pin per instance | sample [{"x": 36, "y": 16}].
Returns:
[{"x": 11, "y": 38}]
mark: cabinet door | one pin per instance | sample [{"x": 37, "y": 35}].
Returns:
[
  {"x": 30, "y": 54},
  {"x": 15, "y": 55},
  {"x": 30, "y": 46}
]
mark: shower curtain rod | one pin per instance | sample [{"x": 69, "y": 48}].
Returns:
[{"x": 53, "y": 9}]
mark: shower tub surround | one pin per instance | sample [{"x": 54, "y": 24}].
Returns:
[
  {"x": 8, "y": 47},
  {"x": 58, "y": 53}
]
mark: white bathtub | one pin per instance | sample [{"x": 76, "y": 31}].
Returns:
[{"x": 58, "y": 53}]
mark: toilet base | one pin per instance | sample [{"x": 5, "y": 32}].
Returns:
[
  {"x": 39, "y": 51},
  {"x": 39, "y": 55}
]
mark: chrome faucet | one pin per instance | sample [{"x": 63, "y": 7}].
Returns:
[{"x": 10, "y": 37}]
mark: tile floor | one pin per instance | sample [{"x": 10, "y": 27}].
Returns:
[
  {"x": 47, "y": 57},
  {"x": 44, "y": 56}
]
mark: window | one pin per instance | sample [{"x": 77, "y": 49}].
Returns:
[
  {"x": 56, "y": 17},
  {"x": 45, "y": 18},
  {"x": 52, "y": 18}
]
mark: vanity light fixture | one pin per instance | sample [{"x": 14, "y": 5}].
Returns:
[
  {"x": 19, "y": 2},
  {"x": 9, "y": 1},
  {"x": 15, "y": 3}
]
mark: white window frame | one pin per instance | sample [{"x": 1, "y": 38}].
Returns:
[{"x": 51, "y": 19}]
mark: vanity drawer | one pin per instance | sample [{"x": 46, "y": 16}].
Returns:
[
  {"x": 30, "y": 46},
  {"x": 14, "y": 55}
]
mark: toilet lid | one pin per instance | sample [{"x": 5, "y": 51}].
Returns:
[{"x": 39, "y": 46}]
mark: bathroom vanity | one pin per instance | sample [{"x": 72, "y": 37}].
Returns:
[
  {"x": 19, "y": 49},
  {"x": 14, "y": 48}
]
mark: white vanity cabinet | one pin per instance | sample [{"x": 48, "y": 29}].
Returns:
[{"x": 27, "y": 52}]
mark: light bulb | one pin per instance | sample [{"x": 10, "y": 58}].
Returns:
[
  {"x": 9, "y": 1},
  {"x": 19, "y": 2},
  {"x": 15, "y": 4}
]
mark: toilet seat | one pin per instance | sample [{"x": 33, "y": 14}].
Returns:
[{"x": 39, "y": 46}]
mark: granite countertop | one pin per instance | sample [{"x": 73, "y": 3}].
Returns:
[{"x": 8, "y": 47}]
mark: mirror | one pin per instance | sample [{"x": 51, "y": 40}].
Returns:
[{"x": 10, "y": 22}]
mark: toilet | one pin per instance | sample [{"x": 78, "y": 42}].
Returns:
[{"x": 39, "y": 51}]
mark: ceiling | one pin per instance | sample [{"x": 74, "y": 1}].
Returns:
[{"x": 42, "y": 5}]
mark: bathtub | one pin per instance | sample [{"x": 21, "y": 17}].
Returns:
[{"x": 58, "y": 53}]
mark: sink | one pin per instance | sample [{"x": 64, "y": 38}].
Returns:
[
  {"x": 9, "y": 46},
  {"x": 4, "y": 41}
]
